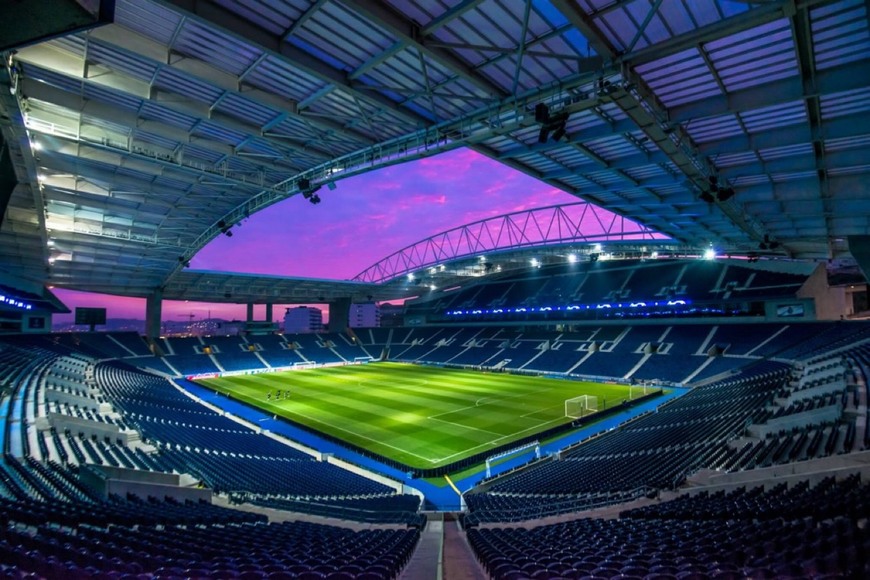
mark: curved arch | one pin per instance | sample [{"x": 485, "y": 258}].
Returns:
[{"x": 579, "y": 222}]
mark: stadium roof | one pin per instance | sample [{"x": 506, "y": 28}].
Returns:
[{"x": 138, "y": 142}]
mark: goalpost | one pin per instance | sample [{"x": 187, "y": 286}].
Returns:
[{"x": 581, "y": 406}]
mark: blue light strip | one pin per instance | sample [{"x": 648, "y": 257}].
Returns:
[
  {"x": 572, "y": 307},
  {"x": 16, "y": 303}
]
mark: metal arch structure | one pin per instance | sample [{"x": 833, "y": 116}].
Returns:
[
  {"x": 573, "y": 223},
  {"x": 137, "y": 142}
]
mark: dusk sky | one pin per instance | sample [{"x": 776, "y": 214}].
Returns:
[{"x": 365, "y": 219}]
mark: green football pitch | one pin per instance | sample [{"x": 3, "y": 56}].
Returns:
[{"x": 421, "y": 416}]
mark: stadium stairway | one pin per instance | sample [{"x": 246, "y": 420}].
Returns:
[
  {"x": 460, "y": 562},
  {"x": 426, "y": 561}
]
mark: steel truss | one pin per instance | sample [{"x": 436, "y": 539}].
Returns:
[{"x": 580, "y": 222}]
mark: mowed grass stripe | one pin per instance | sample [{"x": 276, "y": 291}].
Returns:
[{"x": 422, "y": 416}]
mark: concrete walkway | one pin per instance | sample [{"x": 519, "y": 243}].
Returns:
[
  {"x": 459, "y": 560},
  {"x": 425, "y": 563}
]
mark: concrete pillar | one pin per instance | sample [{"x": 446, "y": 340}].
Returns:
[
  {"x": 153, "y": 314},
  {"x": 268, "y": 312},
  {"x": 250, "y": 317},
  {"x": 339, "y": 314}
]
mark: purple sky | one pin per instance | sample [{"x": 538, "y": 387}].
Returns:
[{"x": 365, "y": 219}]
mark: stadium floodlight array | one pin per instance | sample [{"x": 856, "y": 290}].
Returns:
[{"x": 578, "y": 407}]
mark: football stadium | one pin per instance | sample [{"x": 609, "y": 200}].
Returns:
[{"x": 665, "y": 378}]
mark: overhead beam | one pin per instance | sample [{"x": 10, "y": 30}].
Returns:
[
  {"x": 162, "y": 56},
  {"x": 211, "y": 13},
  {"x": 410, "y": 35},
  {"x": 35, "y": 21},
  {"x": 839, "y": 79}
]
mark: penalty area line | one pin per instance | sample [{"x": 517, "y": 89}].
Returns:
[{"x": 495, "y": 441}]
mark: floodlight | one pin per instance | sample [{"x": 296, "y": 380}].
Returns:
[
  {"x": 726, "y": 193},
  {"x": 561, "y": 128},
  {"x": 572, "y": 258},
  {"x": 707, "y": 196},
  {"x": 709, "y": 254},
  {"x": 535, "y": 263}
]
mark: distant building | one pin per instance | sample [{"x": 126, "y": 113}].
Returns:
[
  {"x": 364, "y": 315},
  {"x": 303, "y": 319}
]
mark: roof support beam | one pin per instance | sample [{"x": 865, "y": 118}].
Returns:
[
  {"x": 452, "y": 13},
  {"x": 801, "y": 31},
  {"x": 211, "y": 13},
  {"x": 409, "y": 34},
  {"x": 834, "y": 80},
  {"x": 120, "y": 38},
  {"x": 57, "y": 61},
  {"x": 764, "y": 14},
  {"x": 644, "y": 108}
]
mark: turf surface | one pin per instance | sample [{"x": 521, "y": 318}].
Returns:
[{"x": 421, "y": 416}]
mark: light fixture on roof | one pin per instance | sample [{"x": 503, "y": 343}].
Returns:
[
  {"x": 572, "y": 258},
  {"x": 225, "y": 228},
  {"x": 768, "y": 244},
  {"x": 726, "y": 193},
  {"x": 709, "y": 254},
  {"x": 717, "y": 192},
  {"x": 309, "y": 191},
  {"x": 550, "y": 124}
]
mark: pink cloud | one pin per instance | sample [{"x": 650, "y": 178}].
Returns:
[{"x": 366, "y": 218}]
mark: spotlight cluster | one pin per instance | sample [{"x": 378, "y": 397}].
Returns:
[
  {"x": 309, "y": 191},
  {"x": 768, "y": 244},
  {"x": 717, "y": 192},
  {"x": 550, "y": 124},
  {"x": 225, "y": 228}
]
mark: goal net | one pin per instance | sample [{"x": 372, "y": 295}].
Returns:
[{"x": 581, "y": 406}]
